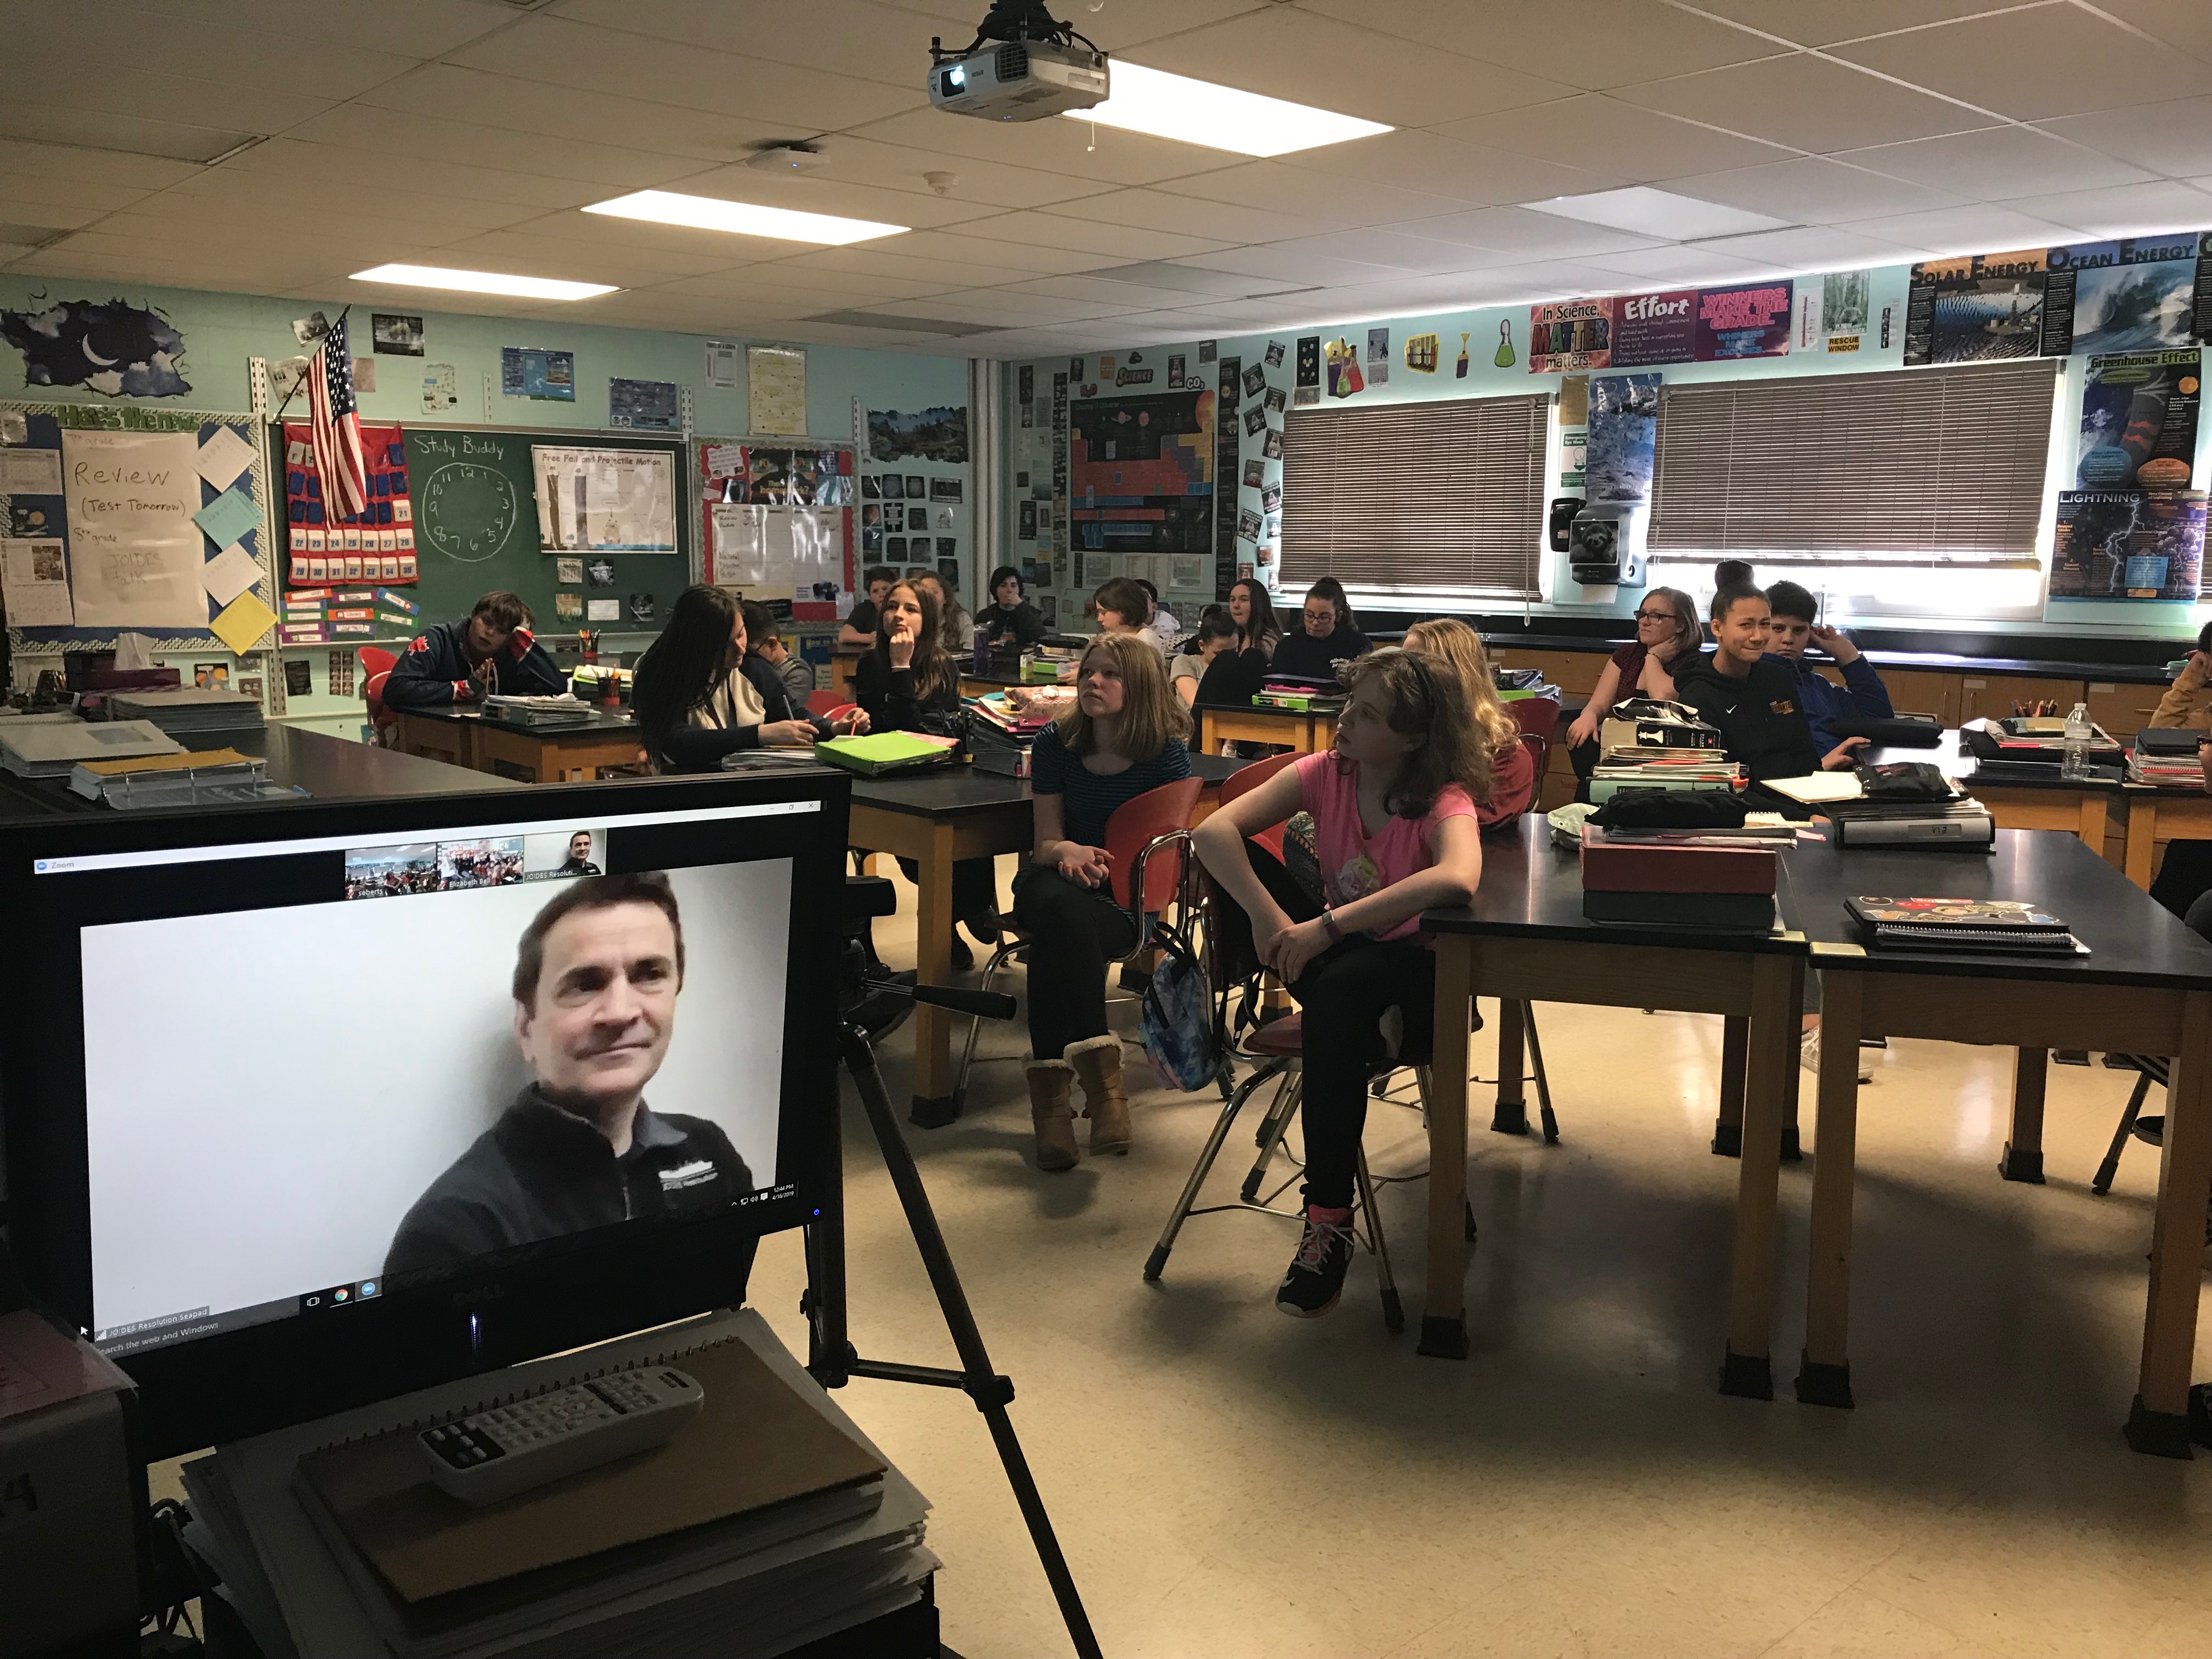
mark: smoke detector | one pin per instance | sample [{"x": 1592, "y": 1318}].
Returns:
[
  {"x": 788, "y": 156},
  {"x": 942, "y": 183}
]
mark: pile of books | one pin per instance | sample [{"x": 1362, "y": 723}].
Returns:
[
  {"x": 189, "y": 709},
  {"x": 1716, "y": 879},
  {"x": 2166, "y": 756},
  {"x": 1943, "y": 815},
  {"x": 1047, "y": 663},
  {"x": 769, "y": 1521},
  {"x": 1620, "y": 770},
  {"x": 1972, "y": 926},
  {"x": 999, "y": 735},
  {"x": 1300, "y": 694},
  {"x": 2031, "y": 748},
  {"x": 539, "y": 711}
]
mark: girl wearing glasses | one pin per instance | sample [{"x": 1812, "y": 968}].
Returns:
[{"x": 1668, "y": 635}]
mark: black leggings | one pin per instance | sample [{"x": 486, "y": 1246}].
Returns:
[
  {"x": 975, "y": 886},
  {"x": 1072, "y": 932},
  {"x": 1342, "y": 995}
]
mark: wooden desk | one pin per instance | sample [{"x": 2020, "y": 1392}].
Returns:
[
  {"x": 546, "y": 754},
  {"x": 2077, "y": 807},
  {"x": 937, "y": 819},
  {"x": 2146, "y": 989},
  {"x": 1525, "y": 937},
  {"x": 2162, "y": 813},
  {"x": 1243, "y": 723}
]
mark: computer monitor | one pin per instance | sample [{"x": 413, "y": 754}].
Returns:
[{"x": 311, "y": 1105}]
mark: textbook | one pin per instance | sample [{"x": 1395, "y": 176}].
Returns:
[
  {"x": 886, "y": 751},
  {"x": 1978, "y": 926}
]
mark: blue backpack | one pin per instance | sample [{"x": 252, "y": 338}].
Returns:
[{"x": 1180, "y": 1033}]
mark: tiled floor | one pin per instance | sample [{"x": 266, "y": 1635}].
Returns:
[{"x": 1228, "y": 1481}]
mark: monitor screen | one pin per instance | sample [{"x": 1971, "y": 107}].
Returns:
[{"x": 473, "y": 1064}]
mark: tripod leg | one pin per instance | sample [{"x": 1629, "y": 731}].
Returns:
[{"x": 990, "y": 1391}]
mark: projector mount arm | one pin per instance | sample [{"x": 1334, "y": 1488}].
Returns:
[{"x": 1015, "y": 19}]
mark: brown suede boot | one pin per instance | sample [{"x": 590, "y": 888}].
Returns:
[
  {"x": 1050, "y": 1110},
  {"x": 1098, "y": 1063}
]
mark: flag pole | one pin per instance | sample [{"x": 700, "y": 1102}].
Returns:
[{"x": 278, "y": 420}]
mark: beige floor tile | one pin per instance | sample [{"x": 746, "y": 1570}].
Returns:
[{"x": 1856, "y": 1626}]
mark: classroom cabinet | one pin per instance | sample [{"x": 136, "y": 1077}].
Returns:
[
  {"x": 1991, "y": 696},
  {"x": 2123, "y": 710},
  {"x": 1573, "y": 672}
]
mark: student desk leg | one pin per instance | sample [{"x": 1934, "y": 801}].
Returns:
[
  {"x": 1510, "y": 1116},
  {"x": 1762, "y": 989},
  {"x": 2023, "y": 1148},
  {"x": 2028, "y": 1014},
  {"x": 450, "y": 741}
]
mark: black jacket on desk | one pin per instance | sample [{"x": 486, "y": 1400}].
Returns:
[
  {"x": 1759, "y": 717},
  {"x": 543, "y": 1172},
  {"x": 893, "y": 702},
  {"x": 433, "y": 672},
  {"x": 1233, "y": 677},
  {"x": 1299, "y": 653}
]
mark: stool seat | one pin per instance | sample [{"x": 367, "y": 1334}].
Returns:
[{"x": 1284, "y": 1037}]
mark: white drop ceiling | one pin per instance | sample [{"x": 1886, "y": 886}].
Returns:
[{"x": 472, "y": 133}]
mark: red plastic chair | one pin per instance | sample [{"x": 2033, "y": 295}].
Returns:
[
  {"x": 1148, "y": 834},
  {"x": 822, "y": 701},
  {"x": 376, "y": 666},
  {"x": 1246, "y": 778},
  {"x": 1538, "y": 720}
]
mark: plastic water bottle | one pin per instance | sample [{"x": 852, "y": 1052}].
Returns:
[{"x": 2076, "y": 762}]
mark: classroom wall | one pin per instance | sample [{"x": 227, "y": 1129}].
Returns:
[
  {"x": 222, "y": 332},
  {"x": 1993, "y": 601}
]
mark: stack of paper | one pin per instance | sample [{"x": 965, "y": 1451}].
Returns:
[
  {"x": 190, "y": 708},
  {"x": 30, "y": 747},
  {"x": 1622, "y": 769},
  {"x": 274, "y": 1517},
  {"x": 2167, "y": 756},
  {"x": 563, "y": 710}
]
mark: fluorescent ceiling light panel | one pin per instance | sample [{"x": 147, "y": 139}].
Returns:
[
  {"x": 1167, "y": 105},
  {"x": 1650, "y": 212},
  {"x": 666, "y": 207},
  {"x": 482, "y": 282}
]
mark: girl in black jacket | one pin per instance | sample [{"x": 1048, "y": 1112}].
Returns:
[{"x": 694, "y": 702}]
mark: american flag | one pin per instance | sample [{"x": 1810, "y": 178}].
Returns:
[{"x": 337, "y": 424}]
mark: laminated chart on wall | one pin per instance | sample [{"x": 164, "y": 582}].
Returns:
[
  {"x": 336, "y": 563},
  {"x": 131, "y": 520},
  {"x": 778, "y": 522},
  {"x": 605, "y": 501}
]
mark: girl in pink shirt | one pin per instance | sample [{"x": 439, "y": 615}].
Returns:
[{"x": 1395, "y": 825}]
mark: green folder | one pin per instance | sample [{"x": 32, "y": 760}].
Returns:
[{"x": 883, "y": 751}]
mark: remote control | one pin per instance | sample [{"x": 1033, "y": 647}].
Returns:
[{"x": 495, "y": 1454}]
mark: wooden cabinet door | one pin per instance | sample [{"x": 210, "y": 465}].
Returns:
[
  {"x": 2123, "y": 709},
  {"x": 1922, "y": 691},
  {"x": 1571, "y": 670},
  {"x": 1991, "y": 696}
]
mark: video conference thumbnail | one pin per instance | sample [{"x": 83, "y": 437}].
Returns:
[{"x": 447, "y": 866}]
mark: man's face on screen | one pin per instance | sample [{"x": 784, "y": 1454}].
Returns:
[
  {"x": 580, "y": 845},
  {"x": 605, "y": 1005}
]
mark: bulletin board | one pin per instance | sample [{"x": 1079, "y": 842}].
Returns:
[
  {"x": 474, "y": 502},
  {"x": 180, "y": 498},
  {"x": 776, "y": 520}
]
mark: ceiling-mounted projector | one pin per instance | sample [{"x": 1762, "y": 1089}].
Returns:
[{"x": 1023, "y": 65}]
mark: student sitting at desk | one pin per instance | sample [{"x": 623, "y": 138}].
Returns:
[
  {"x": 1326, "y": 639},
  {"x": 1216, "y": 638},
  {"x": 490, "y": 652},
  {"x": 859, "y": 627},
  {"x": 1254, "y": 613},
  {"x": 1121, "y": 607},
  {"x": 693, "y": 701},
  {"x": 909, "y": 683},
  {"x": 1010, "y": 622},
  {"x": 956, "y": 628},
  {"x": 1124, "y": 736},
  {"x": 1162, "y": 624},
  {"x": 1395, "y": 823},
  {"x": 1668, "y": 633},
  {"x": 1861, "y": 696},
  {"x": 2188, "y": 702},
  {"x": 1512, "y": 768},
  {"x": 765, "y": 649},
  {"x": 1753, "y": 698}
]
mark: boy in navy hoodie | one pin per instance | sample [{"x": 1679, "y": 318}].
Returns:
[{"x": 1861, "y": 696}]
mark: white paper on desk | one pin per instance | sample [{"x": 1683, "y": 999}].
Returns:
[
  {"x": 229, "y": 574},
  {"x": 34, "y": 588},
  {"x": 1816, "y": 788},
  {"x": 224, "y": 455},
  {"x": 30, "y": 472}
]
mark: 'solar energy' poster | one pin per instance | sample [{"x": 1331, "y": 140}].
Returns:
[{"x": 1981, "y": 307}]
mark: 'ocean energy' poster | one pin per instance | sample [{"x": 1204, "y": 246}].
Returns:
[{"x": 2136, "y": 295}]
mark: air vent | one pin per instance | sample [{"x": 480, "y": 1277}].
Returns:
[{"x": 1013, "y": 63}]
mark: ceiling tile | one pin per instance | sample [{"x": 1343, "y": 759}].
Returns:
[
  {"x": 558, "y": 54},
  {"x": 1806, "y": 102},
  {"x": 1673, "y": 265},
  {"x": 1812, "y": 248},
  {"x": 414, "y": 28},
  {"x": 1606, "y": 136},
  {"x": 1119, "y": 295},
  {"x": 410, "y": 137},
  {"x": 1823, "y": 22},
  {"x": 997, "y": 305},
  {"x": 862, "y": 259},
  {"x": 1057, "y": 145},
  {"x": 1966, "y": 230},
  {"x": 1096, "y": 236},
  {"x": 37, "y": 222},
  {"x": 221, "y": 193},
  {"x": 1812, "y": 189},
  {"x": 844, "y": 37},
  {"x": 214, "y": 53},
  {"x": 1524, "y": 233},
  {"x": 1010, "y": 258},
  {"x": 2033, "y": 64},
  {"x": 2174, "y": 138},
  {"x": 341, "y": 167},
  {"x": 54, "y": 80},
  {"x": 1994, "y": 162},
  {"x": 1283, "y": 189},
  {"x": 89, "y": 199},
  {"x": 1152, "y": 209},
  {"x": 1397, "y": 253},
  {"x": 1641, "y": 39},
  {"x": 915, "y": 210},
  {"x": 69, "y": 164},
  {"x": 1447, "y": 167},
  {"x": 849, "y": 160},
  {"x": 1126, "y": 23},
  {"x": 1281, "y": 262},
  {"x": 2186, "y": 24},
  {"x": 446, "y": 93},
  {"x": 2124, "y": 210},
  {"x": 567, "y": 258},
  {"x": 1339, "y": 66}
]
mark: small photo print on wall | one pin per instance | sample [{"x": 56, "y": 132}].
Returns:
[
  {"x": 1256, "y": 421},
  {"x": 948, "y": 547},
  {"x": 1271, "y": 498},
  {"x": 569, "y": 570},
  {"x": 1272, "y": 448},
  {"x": 917, "y": 486},
  {"x": 872, "y": 540},
  {"x": 1255, "y": 473},
  {"x": 871, "y": 486},
  {"x": 1274, "y": 354},
  {"x": 895, "y": 547},
  {"x": 893, "y": 487},
  {"x": 948, "y": 572},
  {"x": 944, "y": 490},
  {"x": 599, "y": 573},
  {"x": 392, "y": 335},
  {"x": 1255, "y": 380}
]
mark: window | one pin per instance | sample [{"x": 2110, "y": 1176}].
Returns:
[
  {"x": 1444, "y": 498},
  {"x": 1921, "y": 467}
]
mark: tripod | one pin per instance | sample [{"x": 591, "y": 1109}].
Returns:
[{"x": 831, "y": 1357}]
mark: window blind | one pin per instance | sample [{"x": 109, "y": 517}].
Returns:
[
  {"x": 1446, "y": 494},
  {"x": 1933, "y": 465}
]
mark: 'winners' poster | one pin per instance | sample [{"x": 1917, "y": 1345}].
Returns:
[
  {"x": 2128, "y": 544},
  {"x": 2139, "y": 421}
]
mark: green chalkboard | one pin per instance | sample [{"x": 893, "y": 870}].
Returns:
[{"x": 476, "y": 528}]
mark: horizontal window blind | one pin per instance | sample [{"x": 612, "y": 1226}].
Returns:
[
  {"x": 1447, "y": 494},
  {"x": 1939, "y": 464}
]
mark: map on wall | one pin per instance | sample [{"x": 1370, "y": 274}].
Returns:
[{"x": 1143, "y": 473}]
